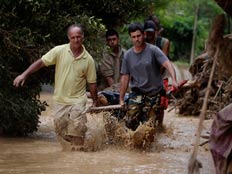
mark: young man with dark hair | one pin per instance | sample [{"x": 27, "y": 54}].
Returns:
[
  {"x": 141, "y": 68},
  {"x": 112, "y": 58}
]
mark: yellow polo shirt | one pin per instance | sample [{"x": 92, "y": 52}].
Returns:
[{"x": 71, "y": 74}]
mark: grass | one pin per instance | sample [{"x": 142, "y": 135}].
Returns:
[{"x": 182, "y": 64}]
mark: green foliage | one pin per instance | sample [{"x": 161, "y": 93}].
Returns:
[
  {"x": 19, "y": 107},
  {"x": 178, "y": 20},
  {"x": 180, "y": 35},
  {"x": 115, "y": 13}
]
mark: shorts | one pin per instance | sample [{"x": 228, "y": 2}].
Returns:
[{"x": 70, "y": 120}]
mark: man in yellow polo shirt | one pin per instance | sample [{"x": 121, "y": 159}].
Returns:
[{"x": 75, "y": 68}]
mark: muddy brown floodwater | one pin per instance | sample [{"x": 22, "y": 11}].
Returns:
[{"x": 41, "y": 153}]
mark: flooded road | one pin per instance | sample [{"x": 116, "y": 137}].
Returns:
[{"x": 41, "y": 153}]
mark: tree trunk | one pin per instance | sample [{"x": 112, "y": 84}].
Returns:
[{"x": 194, "y": 34}]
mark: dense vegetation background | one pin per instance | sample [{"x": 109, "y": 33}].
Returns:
[{"x": 29, "y": 28}]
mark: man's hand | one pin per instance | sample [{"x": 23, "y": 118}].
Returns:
[
  {"x": 123, "y": 105},
  {"x": 19, "y": 80},
  {"x": 95, "y": 103},
  {"x": 175, "y": 89},
  {"x": 175, "y": 84}
]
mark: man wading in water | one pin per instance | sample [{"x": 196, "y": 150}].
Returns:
[
  {"x": 141, "y": 67},
  {"x": 74, "y": 68}
]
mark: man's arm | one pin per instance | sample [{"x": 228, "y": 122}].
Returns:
[
  {"x": 20, "y": 79},
  {"x": 170, "y": 69},
  {"x": 123, "y": 87},
  {"x": 93, "y": 92},
  {"x": 110, "y": 80}
]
